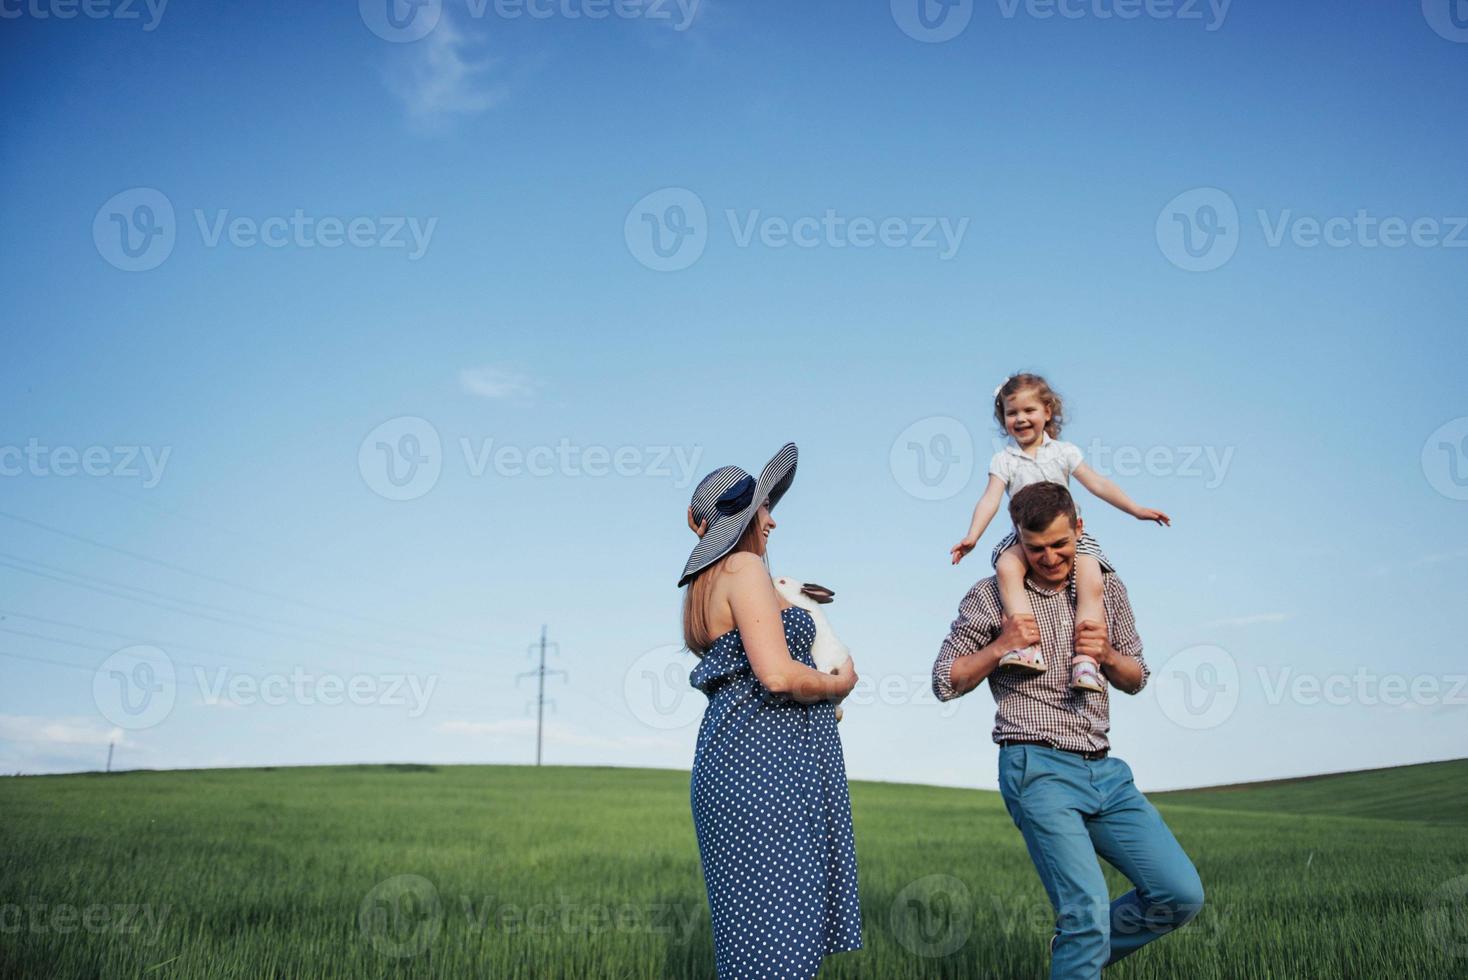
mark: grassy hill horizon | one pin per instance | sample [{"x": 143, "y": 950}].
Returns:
[{"x": 422, "y": 870}]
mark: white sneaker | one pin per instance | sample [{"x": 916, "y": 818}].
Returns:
[{"x": 1028, "y": 658}]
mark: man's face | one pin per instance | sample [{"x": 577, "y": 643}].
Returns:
[{"x": 1051, "y": 553}]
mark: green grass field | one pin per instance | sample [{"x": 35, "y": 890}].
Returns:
[{"x": 403, "y": 871}]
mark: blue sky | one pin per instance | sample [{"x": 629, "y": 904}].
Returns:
[{"x": 864, "y": 229}]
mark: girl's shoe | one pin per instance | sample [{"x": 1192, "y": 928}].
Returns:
[
  {"x": 1086, "y": 677},
  {"x": 1028, "y": 658}
]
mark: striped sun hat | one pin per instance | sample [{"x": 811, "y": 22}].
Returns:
[{"x": 727, "y": 498}]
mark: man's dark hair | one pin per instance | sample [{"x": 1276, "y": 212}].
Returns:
[{"x": 1036, "y": 506}]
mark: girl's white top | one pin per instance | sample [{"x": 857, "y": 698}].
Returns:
[{"x": 1053, "y": 462}]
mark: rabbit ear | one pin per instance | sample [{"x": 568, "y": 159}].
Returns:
[{"x": 819, "y": 593}]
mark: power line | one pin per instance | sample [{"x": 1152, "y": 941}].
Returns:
[
  {"x": 199, "y": 615},
  {"x": 228, "y": 610},
  {"x": 161, "y": 563}
]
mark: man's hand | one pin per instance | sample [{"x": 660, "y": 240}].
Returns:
[
  {"x": 1091, "y": 642},
  {"x": 1019, "y": 632},
  {"x": 1125, "y": 673}
]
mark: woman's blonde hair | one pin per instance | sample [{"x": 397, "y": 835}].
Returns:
[
  {"x": 1048, "y": 396},
  {"x": 696, "y": 630}
]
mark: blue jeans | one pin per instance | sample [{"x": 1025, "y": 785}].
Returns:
[{"x": 1070, "y": 811}]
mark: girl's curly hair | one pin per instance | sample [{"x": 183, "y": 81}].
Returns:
[{"x": 1048, "y": 396}]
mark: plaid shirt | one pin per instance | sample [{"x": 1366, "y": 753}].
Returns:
[{"x": 1041, "y": 706}]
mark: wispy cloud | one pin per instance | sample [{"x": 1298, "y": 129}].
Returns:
[
  {"x": 57, "y": 731},
  {"x": 555, "y": 734},
  {"x": 445, "y": 78},
  {"x": 1253, "y": 619},
  {"x": 495, "y": 382},
  {"x": 1423, "y": 561}
]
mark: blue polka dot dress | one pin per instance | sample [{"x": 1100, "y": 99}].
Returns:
[{"x": 773, "y": 817}]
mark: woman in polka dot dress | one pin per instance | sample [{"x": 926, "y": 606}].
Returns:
[{"x": 769, "y": 797}]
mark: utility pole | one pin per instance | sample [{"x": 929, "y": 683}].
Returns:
[
  {"x": 110, "y": 746},
  {"x": 540, "y": 674}
]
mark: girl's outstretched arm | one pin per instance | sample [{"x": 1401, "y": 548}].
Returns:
[
  {"x": 984, "y": 512},
  {"x": 1108, "y": 491}
]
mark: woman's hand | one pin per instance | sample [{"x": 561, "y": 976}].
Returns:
[
  {"x": 698, "y": 529},
  {"x": 846, "y": 674},
  {"x": 1148, "y": 514},
  {"x": 961, "y": 550}
]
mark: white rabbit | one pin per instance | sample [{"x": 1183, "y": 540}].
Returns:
[{"x": 826, "y": 650}]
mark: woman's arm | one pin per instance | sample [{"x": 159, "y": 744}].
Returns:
[
  {"x": 756, "y": 608},
  {"x": 984, "y": 512},
  {"x": 1107, "y": 490}
]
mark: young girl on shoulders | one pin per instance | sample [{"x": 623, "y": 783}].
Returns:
[{"x": 1032, "y": 413}]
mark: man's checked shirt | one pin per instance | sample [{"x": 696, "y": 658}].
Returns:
[{"x": 1041, "y": 706}]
